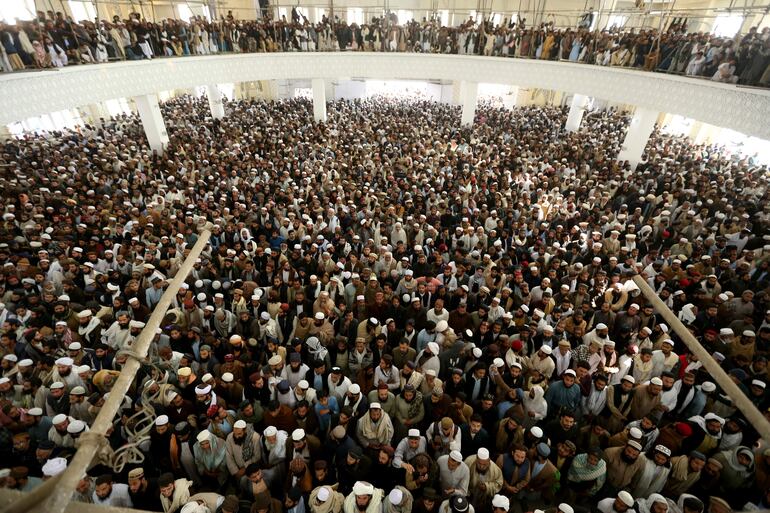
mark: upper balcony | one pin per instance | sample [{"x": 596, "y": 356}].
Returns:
[{"x": 746, "y": 110}]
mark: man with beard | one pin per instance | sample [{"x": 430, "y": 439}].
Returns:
[
  {"x": 117, "y": 336},
  {"x": 160, "y": 444},
  {"x": 623, "y": 465},
  {"x": 38, "y": 425},
  {"x": 383, "y": 474},
  {"x": 206, "y": 399},
  {"x": 242, "y": 448},
  {"x": 685, "y": 472},
  {"x": 654, "y": 474},
  {"x": 409, "y": 447},
  {"x": 58, "y": 401},
  {"x": 706, "y": 433},
  {"x": 646, "y": 398},
  {"x": 486, "y": 479},
  {"x": 108, "y": 493},
  {"x": 296, "y": 371},
  {"x": 374, "y": 429},
  {"x": 89, "y": 328},
  {"x": 64, "y": 374},
  {"x": 709, "y": 479},
  {"x": 364, "y": 498},
  {"x": 144, "y": 492},
  {"x": 679, "y": 395},
  {"x": 355, "y": 465}
]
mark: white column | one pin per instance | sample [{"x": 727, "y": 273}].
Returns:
[
  {"x": 639, "y": 131},
  {"x": 95, "y": 113},
  {"x": 576, "y": 111},
  {"x": 469, "y": 94},
  {"x": 215, "y": 101},
  {"x": 319, "y": 100},
  {"x": 152, "y": 121}
]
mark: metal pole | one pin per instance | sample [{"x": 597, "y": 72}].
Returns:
[
  {"x": 56, "y": 501},
  {"x": 752, "y": 414}
]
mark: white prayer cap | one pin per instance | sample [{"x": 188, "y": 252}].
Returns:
[
  {"x": 136, "y": 324},
  {"x": 414, "y": 433},
  {"x": 601, "y": 326},
  {"x": 203, "y": 436},
  {"x": 395, "y": 496},
  {"x": 54, "y": 467},
  {"x": 298, "y": 434},
  {"x": 161, "y": 420},
  {"x": 635, "y": 432},
  {"x": 76, "y": 426},
  {"x": 565, "y": 508},
  {"x": 55, "y": 385},
  {"x": 323, "y": 494},
  {"x": 501, "y": 501},
  {"x": 708, "y": 386},
  {"x": 375, "y": 406},
  {"x": 193, "y": 507},
  {"x": 476, "y": 352},
  {"x": 240, "y": 424},
  {"x": 456, "y": 455},
  {"x": 11, "y": 358},
  {"x": 26, "y": 362},
  {"x": 536, "y": 432},
  {"x": 227, "y": 377},
  {"x": 35, "y": 412},
  {"x": 271, "y": 431},
  {"x": 441, "y": 326},
  {"x": 58, "y": 419},
  {"x": 626, "y": 498},
  {"x": 65, "y": 361},
  {"x": 433, "y": 348},
  {"x": 199, "y": 390},
  {"x": 482, "y": 453},
  {"x": 656, "y": 381},
  {"x": 714, "y": 416},
  {"x": 363, "y": 488},
  {"x": 498, "y": 362},
  {"x": 84, "y": 314},
  {"x": 319, "y": 316},
  {"x": 354, "y": 389},
  {"x": 75, "y": 346}
]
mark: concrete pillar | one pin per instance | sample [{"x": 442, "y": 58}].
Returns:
[
  {"x": 639, "y": 131},
  {"x": 469, "y": 93},
  {"x": 152, "y": 121},
  {"x": 95, "y": 113},
  {"x": 319, "y": 100},
  {"x": 215, "y": 101},
  {"x": 576, "y": 111}
]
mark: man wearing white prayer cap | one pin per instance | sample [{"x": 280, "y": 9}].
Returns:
[
  {"x": 325, "y": 499},
  {"x": 364, "y": 498},
  {"x": 486, "y": 479},
  {"x": 399, "y": 500},
  {"x": 500, "y": 504},
  {"x": 54, "y": 467},
  {"x": 454, "y": 474}
]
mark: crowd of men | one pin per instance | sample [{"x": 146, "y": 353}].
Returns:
[
  {"x": 55, "y": 40},
  {"x": 392, "y": 314}
]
